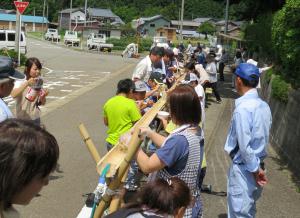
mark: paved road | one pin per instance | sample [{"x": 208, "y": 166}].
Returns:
[{"x": 66, "y": 70}]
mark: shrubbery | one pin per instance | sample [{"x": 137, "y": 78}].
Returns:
[
  {"x": 276, "y": 38},
  {"x": 120, "y": 44},
  {"x": 280, "y": 89},
  {"x": 258, "y": 37},
  {"x": 13, "y": 55},
  {"x": 285, "y": 38}
]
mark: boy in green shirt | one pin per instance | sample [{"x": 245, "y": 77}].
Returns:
[{"x": 120, "y": 112}]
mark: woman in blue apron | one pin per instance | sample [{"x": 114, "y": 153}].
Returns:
[{"x": 180, "y": 154}]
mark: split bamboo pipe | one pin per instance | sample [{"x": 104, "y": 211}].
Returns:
[
  {"x": 89, "y": 143},
  {"x": 133, "y": 146}
]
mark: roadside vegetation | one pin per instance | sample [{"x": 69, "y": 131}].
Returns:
[{"x": 278, "y": 43}]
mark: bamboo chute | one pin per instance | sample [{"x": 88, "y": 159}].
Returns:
[{"x": 120, "y": 156}]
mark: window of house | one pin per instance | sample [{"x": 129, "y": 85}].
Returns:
[
  {"x": 2, "y": 37},
  {"x": 11, "y": 37},
  {"x": 152, "y": 24}
]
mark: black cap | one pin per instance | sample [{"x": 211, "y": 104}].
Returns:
[
  {"x": 7, "y": 69},
  {"x": 157, "y": 77}
]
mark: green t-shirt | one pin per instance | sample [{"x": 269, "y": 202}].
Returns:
[{"x": 121, "y": 113}]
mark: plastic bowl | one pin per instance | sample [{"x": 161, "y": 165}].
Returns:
[{"x": 163, "y": 114}]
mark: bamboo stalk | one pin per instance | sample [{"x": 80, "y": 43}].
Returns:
[
  {"x": 89, "y": 143},
  {"x": 133, "y": 146},
  {"x": 116, "y": 200}
]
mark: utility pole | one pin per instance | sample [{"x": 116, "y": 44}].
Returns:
[
  {"x": 85, "y": 12},
  {"x": 47, "y": 13},
  {"x": 43, "y": 18},
  {"x": 226, "y": 17},
  {"x": 18, "y": 34},
  {"x": 181, "y": 24},
  {"x": 70, "y": 24}
]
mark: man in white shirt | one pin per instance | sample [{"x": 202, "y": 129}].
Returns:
[
  {"x": 7, "y": 78},
  {"x": 145, "y": 67}
]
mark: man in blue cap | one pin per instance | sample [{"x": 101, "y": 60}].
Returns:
[
  {"x": 246, "y": 144},
  {"x": 7, "y": 78}
]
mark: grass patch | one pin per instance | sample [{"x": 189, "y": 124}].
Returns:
[{"x": 14, "y": 55}]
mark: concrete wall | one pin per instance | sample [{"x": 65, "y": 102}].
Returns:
[{"x": 285, "y": 132}]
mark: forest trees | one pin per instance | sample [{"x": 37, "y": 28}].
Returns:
[{"x": 207, "y": 28}]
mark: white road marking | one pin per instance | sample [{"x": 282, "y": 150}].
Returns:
[
  {"x": 49, "y": 70},
  {"x": 66, "y": 90},
  {"x": 53, "y": 97},
  {"x": 74, "y": 71},
  {"x": 77, "y": 86}
]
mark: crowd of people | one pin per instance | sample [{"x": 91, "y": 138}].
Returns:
[
  {"x": 172, "y": 154},
  {"x": 177, "y": 151}
]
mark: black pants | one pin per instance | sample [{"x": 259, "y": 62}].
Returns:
[
  {"x": 221, "y": 71},
  {"x": 214, "y": 87}
]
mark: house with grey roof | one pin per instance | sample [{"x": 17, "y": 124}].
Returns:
[
  {"x": 204, "y": 19},
  {"x": 98, "y": 20},
  {"x": 147, "y": 26},
  {"x": 104, "y": 16},
  {"x": 188, "y": 25}
]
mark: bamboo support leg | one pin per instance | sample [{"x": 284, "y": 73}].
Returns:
[
  {"x": 116, "y": 200},
  {"x": 89, "y": 143}
]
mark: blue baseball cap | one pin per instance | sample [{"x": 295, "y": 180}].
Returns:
[{"x": 247, "y": 71}]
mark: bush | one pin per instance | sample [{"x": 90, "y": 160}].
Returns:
[
  {"x": 120, "y": 44},
  {"x": 268, "y": 75},
  {"x": 258, "y": 36},
  {"x": 285, "y": 37},
  {"x": 13, "y": 55},
  {"x": 280, "y": 89}
]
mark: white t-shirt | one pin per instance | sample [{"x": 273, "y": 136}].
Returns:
[
  {"x": 211, "y": 69},
  {"x": 143, "y": 69},
  {"x": 201, "y": 94}
]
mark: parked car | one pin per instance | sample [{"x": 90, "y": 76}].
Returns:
[
  {"x": 52, "y": 34},
  {"x": 7, "y": 40},
  {"x": 98, "y": 41},
  {"x": 71, "y": 38}
]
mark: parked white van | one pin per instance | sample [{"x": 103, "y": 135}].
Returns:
[{"x": 7, "y": 40}]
